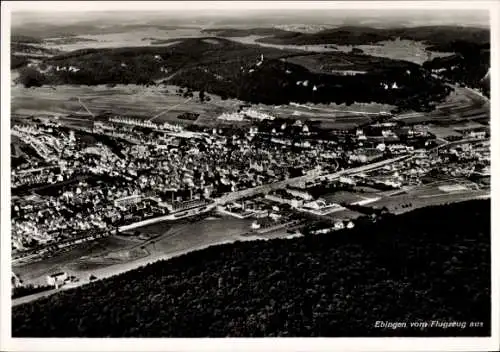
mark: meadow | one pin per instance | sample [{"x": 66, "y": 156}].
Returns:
[{"x": 147, "y": 102}]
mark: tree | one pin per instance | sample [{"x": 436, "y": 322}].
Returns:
[{"x": 31, "y": 77}]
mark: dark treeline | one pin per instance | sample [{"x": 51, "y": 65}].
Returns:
[
  {"x": 429, "y": 264},
  {"x": 467, "y": 67},
  {"x": 25, "y": 39},
  {"x": 29, "y": 48},
  {"x": 22, "y": 291},
  {"x": 17, "y": 61}
]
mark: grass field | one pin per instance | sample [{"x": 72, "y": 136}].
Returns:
[
  {"x": 346, "y": 214},
  {"x": 459, "y": 106},
  {"x": 443, "y": 131},
  {"x": 330, "y": 116},
  {"x": 143, "y": 37},
  {"x": 343, "y": 197},
  {"x": 36, "y": 272},
  {"x": 107, "y": 255},
  {"x": 130, "y": 100},
  {"x": 436, "y": 193},
  {"x": 143, "y": 102},
  {"x": 407, "y": 50}
]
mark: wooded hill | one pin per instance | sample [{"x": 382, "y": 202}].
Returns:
[
  {"x": 234, "y": 70},
  {"x": 429, "y": 264}
]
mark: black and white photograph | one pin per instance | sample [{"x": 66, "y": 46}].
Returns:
[{"x": 248, "y": 170}]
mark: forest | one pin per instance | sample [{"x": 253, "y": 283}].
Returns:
[
  {"x": 429, "y": 264},
  {"x": 468, "y": 66},
  {"x": 232, "y": 70}
]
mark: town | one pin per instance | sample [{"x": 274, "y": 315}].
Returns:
[{"x": 112, "y": 174}]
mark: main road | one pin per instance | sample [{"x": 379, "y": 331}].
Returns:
[{"x": 249, "y": 192}]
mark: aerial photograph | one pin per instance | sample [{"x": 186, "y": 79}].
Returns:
[{"x": 257, "y": 173}]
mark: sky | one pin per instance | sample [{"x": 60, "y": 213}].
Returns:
[{"x": 270, "y": 13}]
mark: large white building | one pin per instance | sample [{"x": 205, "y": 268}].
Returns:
[{"x": 56, "y": 279}]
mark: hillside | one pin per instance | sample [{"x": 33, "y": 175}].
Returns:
[
  {"x": 249, "y": 72},
  {"x": 468, "y": 66},
  {"x": 40, "y": 30},
  {"x": 431, "y": 35},
  {"x": 429, "y": 264},
  {"x": 24, "y": 49},
  {"x": 238, "y": 32}
]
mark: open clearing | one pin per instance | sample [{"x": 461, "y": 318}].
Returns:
[{"x": 407, "y": 50}]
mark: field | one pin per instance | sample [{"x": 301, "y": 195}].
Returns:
[
  {"x": 407, "y": 50},
  {"x": 113, "y": 254},
  {"x": 116, "y": 254},
  {"x": 330, "y": 116},
  {"x": 346, "y": 214},
  {"x": 443, "y": 132},
  {"x": 121, "y": 100},
  {"x": 142, "y": 37},
  {"x": 459, "y": 106},
  {"x": 145, "y": 103},
  {"x": 36, "y": 272},
  {"x": 343, "y": 197},
  {"x": 435, "y": 193}
]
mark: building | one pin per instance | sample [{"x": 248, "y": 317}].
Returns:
[
  {"x": 280, "y": 199},
  {"x": 366, "y": 155},
  {"x": 255, "y": 225},
  {"x": 347, "y": 180},
  {"x": 187, "y": 204},
  {"x": 339, "y": 225},
  {"x": 15, "y": 281},
  {"x": 322, "y": 204},
  {"x": 299, "y": 194},
  {"x": 57, "y": 279},
  {"x": 477, "y": 134},
  {"x": 127, "y": 201}
]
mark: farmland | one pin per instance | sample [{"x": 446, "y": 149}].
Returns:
[
  {"x": 144, "y": 103},
  {"x": 460, "y": 105},
  {"x": 398, "y": 49},
  {"x": 436, "y": 193},
  {"x": 121, "y": 100}
]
